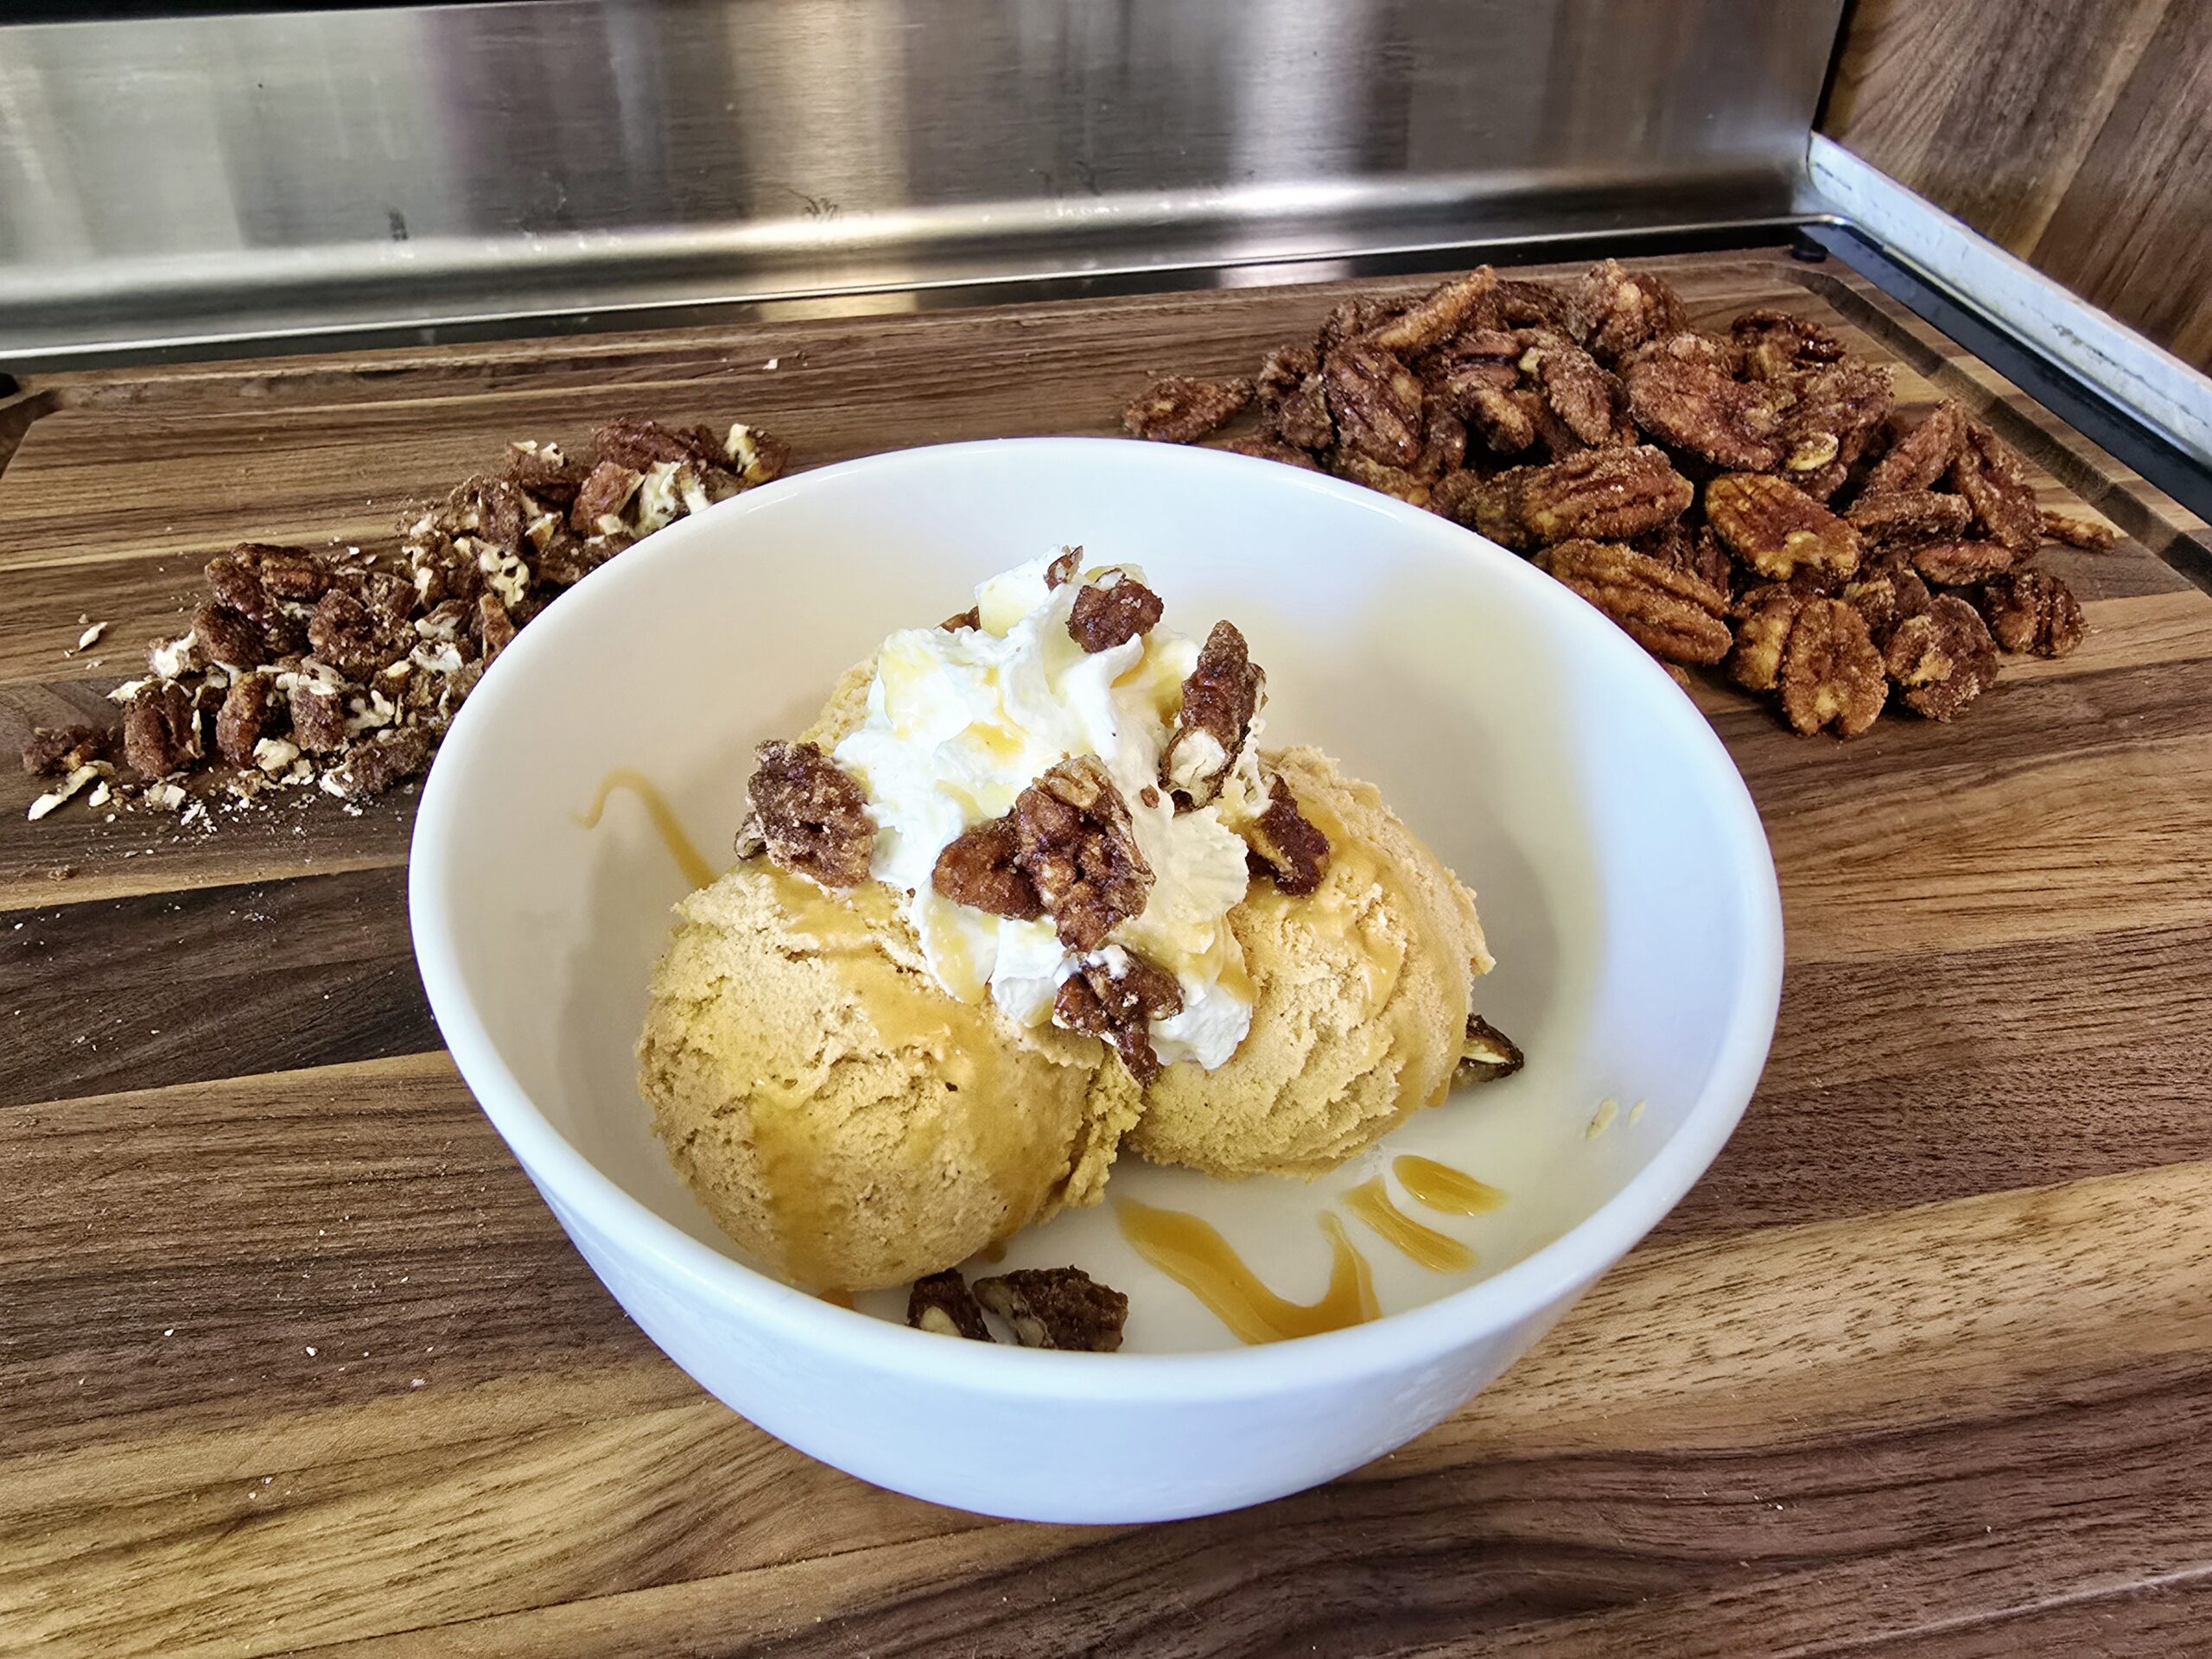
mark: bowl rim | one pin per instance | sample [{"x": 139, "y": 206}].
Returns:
[{"x": 579, "y": 1190}]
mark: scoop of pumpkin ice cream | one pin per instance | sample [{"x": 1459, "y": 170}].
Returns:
[
  {"x": 839, "y": 1115},
  {"x": 1361, "y": 991}
]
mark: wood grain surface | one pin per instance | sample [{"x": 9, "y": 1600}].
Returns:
[
  {"x": 292, "y": 1358},
  {"x": 2076, "y": 133}
]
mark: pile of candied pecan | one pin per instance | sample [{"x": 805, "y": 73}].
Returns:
[
  {"x": 336, "y": 670},
  {"x": 1744, "y": 500}
]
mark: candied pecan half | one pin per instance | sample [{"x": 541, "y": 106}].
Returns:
[
  {"x": 1885, "y": 594},
  {"x": 1920, "y": 457},
  {"x": 1273, "y": 449},
  {"x": 1671, "y": 614},
  {"x": 1176, "y": 408},
  {"x": 1288, "y": 846},
  {"x": 1056, "y": 1307},
  {"x": 942, "y": 1304},
  {"x": 1524, "y": 303},
  {"x": 1831, "y": 675},
  {"x": 1437, "y": 316},
  {"x": 1773, "y": 343},
  {"x": 1696, "y": 408},
  {"x": 807, "y": 814},
  {"x": 317, "y": 716},
  {"x": 604, "y": 494},
  {"x": 1505, "y": 421},
  {"x": 1074, "y": 840},
  {"x": 1961, "y": 564},
  {"x": 977, "y": 868},
  {"x": 1833, "y": 410},
  {"x": 1349, "y": 319},
  {"x": 1220, "y": 698},
  {"x": 227, "y": 637},
  {"x": 375, "y": 765},
  {"x": 244, "y": 717},
  {"x": 160, "y": 729},
  {"x": 1692, "y": 349},
  {"x": 1112, "y": 611},
  {"x": 2090, "y": 534},
  {"x": 1597, "y": 495},
  {"x": 1589, "y": 399},
  {"x": 1993, "y": 477},
  {"x": 2032, "y": 611},
  {"x": 1697, "y": 553},
  {"x": 1942, "y": 658},
  {"x": 54, "y": 750},
  {"x": 1377, "y": 402},
  {"x": 1283, "y": 370},
  {"x": 1302, "y": 418},
  {"x": 1762, "y": 629},
  {"x": 1486, "y": 358},
  {"x": 1614, "y": 311},
  {"x": 1906, "y": 516},
  {"x": 1775, "y": 528},
  {"x": 1116, "y": 996},
  {"x": 1408, "y": 487},
  {"x": 1486, "y": 1054}
]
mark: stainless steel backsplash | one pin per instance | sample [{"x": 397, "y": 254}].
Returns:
[{"x": 211, "y": 177}]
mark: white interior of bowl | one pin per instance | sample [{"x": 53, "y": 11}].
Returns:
[{"x": 1622, "y": 880}]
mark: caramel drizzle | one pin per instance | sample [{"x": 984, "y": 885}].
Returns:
[
  {"x": 695, "y": 869},
  {"x": 1442, "y": 1187},
  {"x": 1199, "y": 1259},
  {"x": 1438, "y": 1252}
]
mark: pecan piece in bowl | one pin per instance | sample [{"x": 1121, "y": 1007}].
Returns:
[{"x": 809, "y": 815}]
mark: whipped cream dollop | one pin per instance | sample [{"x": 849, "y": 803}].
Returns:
[{"x": 961, "y": 720}]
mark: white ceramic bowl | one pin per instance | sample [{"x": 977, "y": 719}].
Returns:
[{"x": 1625, "y": 882}]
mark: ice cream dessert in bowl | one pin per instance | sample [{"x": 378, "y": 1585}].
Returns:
[{"x": 1033, "y": 888}]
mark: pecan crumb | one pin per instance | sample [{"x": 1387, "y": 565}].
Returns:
[
  {"x": 943, "y": 1303},
  {"x": 809, "y": 815},
  {"x": 1056, "y": 1307},
  {"x": 978, "y": 867},
  {"x": 1486, "y": 1055},
  {"x": 1074, "y": 840},
  {"x": 1220, "y": 699},
  {"x": 1288, "y": 845},
  {"x": 1112, "y": 611}
]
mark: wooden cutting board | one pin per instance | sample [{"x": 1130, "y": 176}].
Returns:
[{"x": 292, "y": 1358}]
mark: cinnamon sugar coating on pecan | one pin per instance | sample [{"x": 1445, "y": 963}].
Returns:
[
  {"x": 1589, "y": 399},
  {"x": 978, "y": 867},
  {"x": 1672, "y": 614},
  {"x": 1941, "y": 659},
  {"x": 809, "y": 815},
  {"x": 1112, "y": 611},
  {"x": 2032, "y": 611},
  {"x": 942, "y": 1304},
  {"x": 1994, "y": 480},
  {"x": 1377, "y": 404},
  {"x": 1437, "y": 316},
  {"x": 1220, "y": 698},
  {"x": 1906, "y": 516},
  {"x": 1614, "y": 310},
  {"x": 1885, "y": 594},
  {"x": 1692, "y": 407},
  {"x": 1302, "y": 418},
  {"x": 1597, "y": 495},
  {"x": 1963, "y": 564},
  {"x": 1920, "y": 457},
  {"x": 1114, "y": 997},
  {"x": 1775, "y": 528},
  {"x": 1774, "y": 343},
  {"x": 2091, "y": 536},
  {"x": 160, "y": 729},
  {"x": 1056, "y": 1307},
  {"x": 1176, "y": 408},
  {"x": 1073, "y": 839},
  {"x": 1830, "y": 675},
  {"x": 1288, "y": 846}
]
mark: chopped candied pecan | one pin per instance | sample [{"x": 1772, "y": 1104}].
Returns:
[
  {"x": 809, "y": 815},
  {"x": 1114, "y": 995},
  {"x": 2032, "y": 611},
  {"x": 1775, "y": 528},
  {"x": 970, "y": 618},
  {"x": 1288, "y": 846},
  {"x": 2090, "y": 534},
  {"x": 1377, "y": 404},
  {"x": 1272, "y": 449},
  {"x": 1614, "y": 310},
  {"x": 1220, "y": 698},
  {"x": 1692, "y": 407},
  {"x": 1944, "y": 659},
  {"x": 1056, "y": 1307},
  {"x": 1901, "y": 517},
  {"x": 641, "y": 445},
  {"x": 1485, "y": 1055},
  {"x": 1885, "y": 594},
  {"x": 1302, "y": 418},
  {"x": 54, "y": 750},
  {"x": 565, "y": 559},
  {"x": 495, "y": 629},
  {"x": 1112, "y": 611},
  {"x": 1283, "y": 370},
  {"x": 376, "y": 765},
  {"x": 1588, "y": 399},
  {"x": 1074, "y": 840},
  {"x": 317, "y": 716},
  {"x": 1916, "y": 460},
  {"x": 1962, "y": 564},
  {"x": 1671, "y": 614},
  {"x": 1065, "y": 567},
  {"x": 1437, "y": 316},
  {"x": 389, "y": 602},
  {"x": 243, "y": 718},
  {"x": 1774, "y": 343},
  {"x": 344, "y": 635},
  {"x": 1597, "y": 495},
  {"x": 228, "y": 637},
  {"x": 758, "y": 455},
  {"x": 604, "y": 494},
  {"x": 977, "y": 868},
  {"x": 1830, "y": 675},
  {"x": 1176, "y": 408},
  {"x": 160, "y": 729},
  {"x": 1993, "y": 477},
  {"x": 943, "y": 1304},
  {"x": 543, "y": 470}
]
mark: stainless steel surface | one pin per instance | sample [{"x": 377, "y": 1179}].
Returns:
[{"x": 190, "y": 181}]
